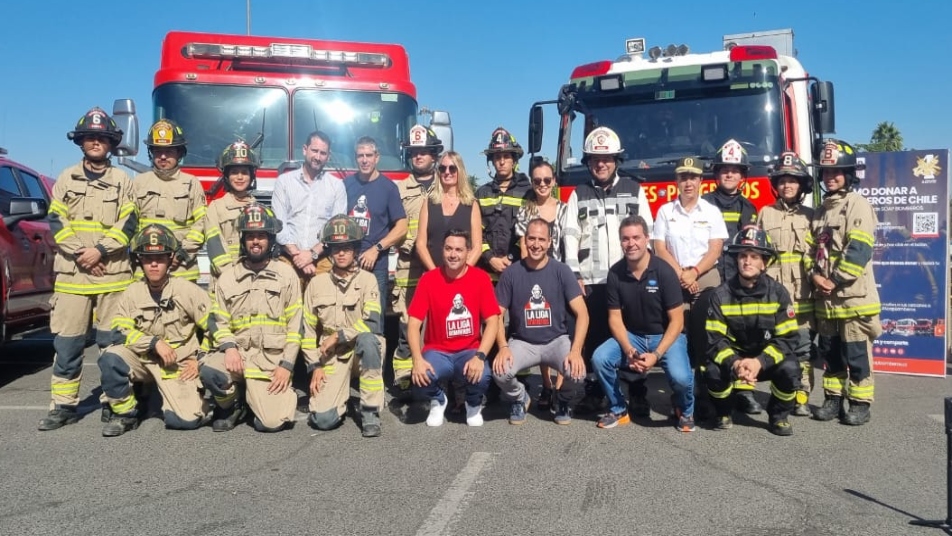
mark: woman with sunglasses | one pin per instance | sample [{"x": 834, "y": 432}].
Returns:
[{"x": 451, "y": 204}]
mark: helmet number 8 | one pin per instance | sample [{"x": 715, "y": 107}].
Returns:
[{"x": 788, "y": 160}]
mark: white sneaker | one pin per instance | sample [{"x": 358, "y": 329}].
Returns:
[
  {"x": 437, "y": 409},
  {"x": 474, "y": 415}
]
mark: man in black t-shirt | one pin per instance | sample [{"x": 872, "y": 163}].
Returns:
[
  {"x": 537, "y": 292},
  {"x": 646, "y": 318}
]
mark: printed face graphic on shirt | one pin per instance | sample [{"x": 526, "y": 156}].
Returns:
[
  {"x": 459, "y": 322},
  {"x": 537, "y": 311},
  {"x": 361, "y": 214}
]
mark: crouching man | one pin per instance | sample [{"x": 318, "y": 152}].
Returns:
[
  {"x": 752, "y": 333},
  {"x": 342, "y": 317},
  {"x": 258, "y": 320},
  {"x": 155, "y": 340},
  {"x": 536, "y": 291}
]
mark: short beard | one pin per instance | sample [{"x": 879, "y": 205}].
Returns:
[{"x": 259, "y": 257}]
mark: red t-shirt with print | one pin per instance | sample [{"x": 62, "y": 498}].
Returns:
[{"x": 453, "y": 309}]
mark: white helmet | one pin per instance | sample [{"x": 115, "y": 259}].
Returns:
[{"x": 602, "y": 140}]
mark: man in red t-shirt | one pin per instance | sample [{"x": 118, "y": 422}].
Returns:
[{"x": 455, "y": 300}]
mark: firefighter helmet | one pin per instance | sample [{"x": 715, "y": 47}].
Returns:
[
  {"x": 602, "y": 141},
  {"x": 165, "y": 133},
  {"x": 422, "y": 137},
  {"x": 837, "y": 154},
  {"x": 238, "y": 153},
  {"x": 95, "y": 122},
  {"x": 155, "y": 239},
  {"x": 502, "y": 141},
  {"x": 791, "y": 165},
  {"x": 752, "y": 237},
  {"x": 732, "y": 153},
  {"x": 341, "y": 229},
  {"x": 255, "y": 217}
]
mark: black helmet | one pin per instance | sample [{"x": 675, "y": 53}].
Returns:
[
  {"x": 255, "y": 217},
  {"x": 791, "y": 165},
  {"x": 341, "y": 229},
  {"x": 96, "y": 121},
  {"x": 502, "y": 141},
  {"x": 732, "y": 153},
  {"x": 837, "y": 154},
  {"x": 752, "y": 237},
  {"x": 238, "y": 153},
  {"x": 165, "y": 133},
  {"x": 154, "y": 239}
]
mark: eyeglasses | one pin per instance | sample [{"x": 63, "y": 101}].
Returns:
[
  {"x": 542, "y": 180},
  {"x": 450, "y": 168}
]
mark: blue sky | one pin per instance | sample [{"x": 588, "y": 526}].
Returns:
[{"x": 484, "y": 62}]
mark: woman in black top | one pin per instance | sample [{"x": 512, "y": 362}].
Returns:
[{"x": 451, "y": 205}]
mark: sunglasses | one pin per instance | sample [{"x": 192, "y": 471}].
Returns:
[
  {"x": 450, "y": 168},
  {"x": 542, "y": 180}
]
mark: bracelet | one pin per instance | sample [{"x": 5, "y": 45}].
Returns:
[
  {"x": 504, "y": 346},
  {"x": 697, "y": 273}
]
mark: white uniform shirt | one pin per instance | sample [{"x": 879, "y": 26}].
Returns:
[
  {"x": 304, "y": 208},
  {"x": 687, "y": 234}
]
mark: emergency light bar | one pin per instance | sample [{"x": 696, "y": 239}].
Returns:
[{"x": 285, "y": 51}]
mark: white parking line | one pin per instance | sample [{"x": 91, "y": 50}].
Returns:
[{"x": 455, "y": 498}]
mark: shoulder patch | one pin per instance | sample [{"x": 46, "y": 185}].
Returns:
[{"x": 791, "y": 312}]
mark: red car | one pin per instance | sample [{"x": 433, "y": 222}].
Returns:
[{"x": 26, "y": 249}]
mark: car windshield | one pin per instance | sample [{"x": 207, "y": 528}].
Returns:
[
  {"x": 213, "y": 116},
  {"x": 348, "y": 115}
]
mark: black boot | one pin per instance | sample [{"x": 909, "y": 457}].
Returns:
[
  {"x": 858, "y": 414},
  {"x": 781, "y": 427},
  {"x": 369, "y": 422},
  {"x": 832, "y": 408},
  {"x": 120, "y": 424},
  {"x": 58, "y": 418},
  {"x": 225, "y": 420},
  {"x": 746, "y": 403}
]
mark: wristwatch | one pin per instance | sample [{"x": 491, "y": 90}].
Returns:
[
  {"x": 379, "y": 246},
  {"x": 314, "y": 255},
  {"x": 481, "y": 356}
]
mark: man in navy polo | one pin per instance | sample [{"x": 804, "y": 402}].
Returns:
[{"x": 646, "y": 318}]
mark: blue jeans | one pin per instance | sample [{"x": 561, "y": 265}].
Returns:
[
  {"x": 608, "y": 359},
  {"x": 448, "y": 367}
]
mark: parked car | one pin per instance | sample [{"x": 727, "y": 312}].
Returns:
[{"x": 26, "y": 249}]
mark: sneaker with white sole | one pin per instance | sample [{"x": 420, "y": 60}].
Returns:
[
  {"x": 474, "y": 415},
  {"x": 437, "y": 409}
]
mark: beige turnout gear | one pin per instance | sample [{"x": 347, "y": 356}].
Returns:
[
  {"x": 349, "y": 307},
  {"x": 221, "y": 231},
  {"x": 178, "y": 203},
  {"x": 259, "y": 314},
  {"x": 143, "y": 320}
]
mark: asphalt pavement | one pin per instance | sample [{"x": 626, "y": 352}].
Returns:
[{"x": 538, "y": 478}]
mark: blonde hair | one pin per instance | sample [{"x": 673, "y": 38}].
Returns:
[{"x": 463, "y": 186}]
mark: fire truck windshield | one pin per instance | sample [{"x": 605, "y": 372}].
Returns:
[
  {"x": 212, "y": 116},
  {"x": 347, "y": 115},
  {"x": 657, "y": 127}
]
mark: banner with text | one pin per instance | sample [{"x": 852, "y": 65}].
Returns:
[{"x": 910, "y": 192}]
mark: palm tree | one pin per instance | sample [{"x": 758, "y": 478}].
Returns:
[{"x": 886, "y": 137}]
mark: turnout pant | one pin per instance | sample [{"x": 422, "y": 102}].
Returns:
[
  {"x": 272, "y": 410},
  {"x": 526, "y": 355},
  {"x": 784, "y": 379},
  {"x": 402, "y": 362},
  {"x": 846, "y": 347},
  {"x": 328, "y": 407},
  {"x": 70, "y": 321},
  {"x": 182, "y": 404}
]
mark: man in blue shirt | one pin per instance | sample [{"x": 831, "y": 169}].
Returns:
[{"x": 374, "y": 202}]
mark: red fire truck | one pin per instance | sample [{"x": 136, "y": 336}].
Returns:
[
  {"x": 666, "y": 103},
  {"x": 272, "y": 92}
]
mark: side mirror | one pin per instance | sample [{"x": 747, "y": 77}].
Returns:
[
  {"x": 442, "y": 126},
  {"x": 25, "y": 208},
  {"x": 824, "y": 117},
  {"x": 536, "y": 127},
  {"x": 124, "y": 114}
]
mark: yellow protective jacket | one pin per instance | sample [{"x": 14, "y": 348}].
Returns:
[
  {"x": 347, "y": 306},
  {"x": 259, "y": 313},
  {"x": 413, "y": 195},
  {"x": 179, "y": 204},
  {"x": 141, "y": 320},
  {"x": 788, "y": 228},
  {"x": 96, "y": 213},
  {"x": 844, "y": 227},
  {"x": 221, "y": 230}
]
